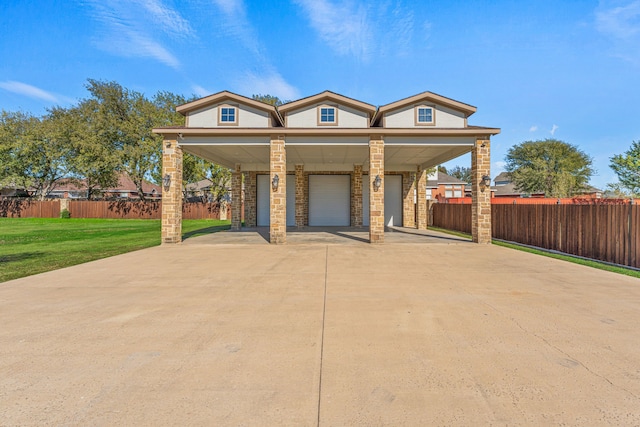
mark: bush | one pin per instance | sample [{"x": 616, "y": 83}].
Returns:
[{"x": 64, "y": 213}]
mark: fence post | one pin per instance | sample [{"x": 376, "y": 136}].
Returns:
[{"x": 629, "y": 228}]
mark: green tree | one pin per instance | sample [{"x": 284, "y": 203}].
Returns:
[
  {"x": 126, "y": 119},
  {"x": 460, "y": 172},
  {"x": 33, "y": 152},
  {"x": 269, "y": 99},
  {"x": 551, "y": 166},
  {"x": 94, "y": 160},
  {"x": 627, "y": 167}
]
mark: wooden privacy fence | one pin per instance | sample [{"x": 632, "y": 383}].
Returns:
[
  {"x": 608, "y": 233},
  {"x": 108, "y": 209},
  {"x": 28, "y": 208}
]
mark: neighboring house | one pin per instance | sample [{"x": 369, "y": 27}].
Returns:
[
  {"x": 326, "y": 160},
  {"x": 443, "y": 186},
  {"x": 126, "y": 189},
  {"x": 504, "y": 187},
  {"x": 205, "y": 190}
]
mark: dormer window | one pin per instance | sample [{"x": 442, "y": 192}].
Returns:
[
  {"x": 228, "y": 115},
  {"x": 327, "y": 115},
  {"x": 425, "y": 115}
]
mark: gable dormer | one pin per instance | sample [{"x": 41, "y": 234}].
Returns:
[
  {"x": 327, "y": 109},
  {"x": 426, "y": 109},
  {"x": 227, "y": 109}
]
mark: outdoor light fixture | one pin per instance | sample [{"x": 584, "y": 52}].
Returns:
[
  {"x": 274, "y": 182},
  {"x": 486, "y": 181},
  {"x": 377, "y": 183},
  {"x": 166, "y": 181}
]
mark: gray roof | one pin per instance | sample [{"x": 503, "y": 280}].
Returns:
[{"x": 443, "y": 178}]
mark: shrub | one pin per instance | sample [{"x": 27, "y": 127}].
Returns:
[{"x": 64, "y": 213}]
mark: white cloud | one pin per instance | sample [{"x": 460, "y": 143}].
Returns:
[
  {"x": 200, "y": 91},
  {"x": 497, "y": 168},
  {"x": 358, "y": 30},
  {"x": 272, "y": 84},
  {"x": 231, "y": 7},
  {"x": 533, "y": 128},
  {"x": 343, "y": 26},
  {"x": 131, "y": 28},
  {"x": 621, "y": 24},
  {"x": 237, "y": 25},
  {"x": 553, "y": 130},
  {"x": 28, "y": 90}
]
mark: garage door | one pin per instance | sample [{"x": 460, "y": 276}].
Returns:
[
  {"x": 262, "y": 200},
  {"x": 392, "y": 200},
  {"x": 330, "y": 200}
]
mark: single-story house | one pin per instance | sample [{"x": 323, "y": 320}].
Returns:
[
  {"x": 327, "y": 160},
  {"x": 126, "y": 189}
]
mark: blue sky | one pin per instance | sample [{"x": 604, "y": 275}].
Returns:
[{"x": 537, "y": 69}]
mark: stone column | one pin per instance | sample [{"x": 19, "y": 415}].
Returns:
[
  {"x": 480, "y": 195},
  {"x": 236, "y": 198},
  {"x": 421, "y": 198},
  {"x": 250, "y": 194},
  {"x": 172, "y": 195},
  {"x": 356, "y": 196},
  {"x": 300, "y": 196},
  {"x": 376, "y": 197},
  {"x": 278, "y": 196},
  {"x": 408, "y": 202}
]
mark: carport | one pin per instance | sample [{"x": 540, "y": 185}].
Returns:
[{"x": 361, "y": 167}]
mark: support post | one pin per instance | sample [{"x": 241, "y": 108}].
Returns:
[
  {"x": 278, "y": 195},
  {"x": 250, "y": 195},
  {"x": 300, "y": 189},
  {"x": 171, "y": 194},
  {"x": 481, "y": 194},
  {"x": 236, "y": 198},
  {"x": 356, "y": 196},
  {"x": 408, "y": 199},
  {"x": 376, "y": 195},
  {"x": 421, "y": 198}
]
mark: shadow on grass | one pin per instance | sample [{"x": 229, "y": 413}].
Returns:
[
  {"x": 19, "y": 257},
  {"x": 206, "y": 230}
]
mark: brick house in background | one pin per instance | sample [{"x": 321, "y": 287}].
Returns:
[
  {"x": 126, "y": 189},
  {"x": 327, "y": 160},
  {"x": 442, "y": 186}
]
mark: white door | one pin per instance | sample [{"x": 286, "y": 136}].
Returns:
[
  {"x": 262, "y": 200},
  {"x": 392, "y": 200},
  {"x": 329, "y": 200}
]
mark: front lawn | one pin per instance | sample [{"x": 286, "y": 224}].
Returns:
[{"x": 35, "y": 245}]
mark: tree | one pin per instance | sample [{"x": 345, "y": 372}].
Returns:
[
  {"x": 94, "y": 160},
  {"x": 627, "y": 167},
  {"x": 551, "y": 166},
  {"x": 125, "y": 120},
  {"x": 460, "y": 172},
  {"x": 269, "y": 99},
  {"x": 33, "y": 152}
]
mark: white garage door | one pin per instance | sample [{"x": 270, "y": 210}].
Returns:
[
  {"x": 330, "y": 200},
  {"x": 392, "y": 200},
  {"x": 262, "y": 200}
]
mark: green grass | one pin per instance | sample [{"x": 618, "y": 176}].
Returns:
[
  {"x": 35, "y": 245},
  {"x": 569, "y": 258}
]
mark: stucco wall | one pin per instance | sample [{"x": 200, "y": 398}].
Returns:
[
  {"x": 405, "y": 118},
  {"x": 307, "y": 117},
  {"x": 247, "y": 117}
]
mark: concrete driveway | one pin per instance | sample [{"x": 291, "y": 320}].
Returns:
[{"x": 321, "y": 334}]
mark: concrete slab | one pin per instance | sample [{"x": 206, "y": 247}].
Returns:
[
  {"x": 326, "y": 235},
  {"x": 321, "y": 334}
]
